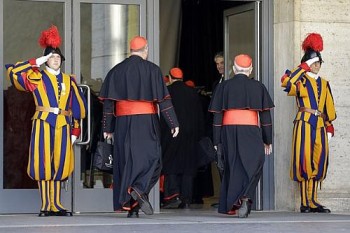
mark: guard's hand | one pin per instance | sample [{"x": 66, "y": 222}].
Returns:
[
  {"x": 216, "y": 148},
  {"x": 329, "y": 135},
  {"x": 73, "y": 138},
  {"x": 312, "y": 61},
  {"x": 268, "y": 149},
  {"x": 41, "y": 60},
  {"x": 107, "y": 135},
  {"x": 175, "y": 131}
]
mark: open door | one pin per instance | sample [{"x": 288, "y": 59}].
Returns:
[
  {"x": 242, "y": 35},
  {"x": 102, "y": 31}
]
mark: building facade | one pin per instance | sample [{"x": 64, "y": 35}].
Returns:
[{"x": 95, "y": 37}]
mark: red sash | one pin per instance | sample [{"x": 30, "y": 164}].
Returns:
[
  {"x": 126, "y": 107},
  {"x": 240, "y": 117}
]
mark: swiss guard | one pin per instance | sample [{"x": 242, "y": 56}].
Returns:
[
  {"x": 313, "y": 128},
  {"x": 59, "y": 107}
]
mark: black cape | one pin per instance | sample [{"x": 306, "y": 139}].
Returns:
[
  {"x": 134, "y": 79},
  {"x": 241, "y": 93}
]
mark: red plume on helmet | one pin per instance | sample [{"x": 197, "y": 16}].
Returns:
[
  {"x": 314, "y": 42},
  {"x": 50, "y": 38}
]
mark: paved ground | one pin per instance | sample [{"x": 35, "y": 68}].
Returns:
[{"x": 189, "y": 220}]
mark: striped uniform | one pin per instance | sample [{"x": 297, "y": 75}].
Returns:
[
  {"x": 309, "y": 160},
  {"x": 51, "y": 155}
]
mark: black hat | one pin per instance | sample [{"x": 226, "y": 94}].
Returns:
[
  {"x": 311, "y": 54},
  {"x": 54, "y": 50}
]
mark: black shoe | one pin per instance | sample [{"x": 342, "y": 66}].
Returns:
[
  {"x": 44, "y": 213},
  {"x": 305, "y": 209},
  {"x": 184, "y": 205},
  {"x": 243, "y": 211},
  {"x": 133, "y": 214},
  {"x": 320, "y": 209},
  {"x": 143, "y": 201},
  {"x": 215, "y": 205},
  {"x": 61, "y": 213},
  {"x": 173, "y": 203}
]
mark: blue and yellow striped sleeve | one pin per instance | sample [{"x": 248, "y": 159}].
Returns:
[
  {"x": 22, "y": 76},
  {"x": 291, "y": 81},
  {"x": 78, "y": 104}
]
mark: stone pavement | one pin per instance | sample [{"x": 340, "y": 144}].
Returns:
[{"x": 188, "y": 220}]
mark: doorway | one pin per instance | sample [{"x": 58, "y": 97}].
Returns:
[{"x": 231, "y": 26}]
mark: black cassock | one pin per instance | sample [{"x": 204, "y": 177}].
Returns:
[
  {"x": 180, "y": 153},
  {"x": 137, "y": 149},
  {"x": 243, "y": 145}
]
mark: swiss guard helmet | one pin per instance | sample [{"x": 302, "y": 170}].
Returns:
[
  {"x": 50, "y": 40},
  {"x": 312, "y": 46}
]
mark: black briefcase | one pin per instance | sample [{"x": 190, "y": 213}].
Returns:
[{"x": 103, "y": 160}]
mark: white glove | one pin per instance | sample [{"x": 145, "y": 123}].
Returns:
[
  {"x": 329, "y": 135},
  {"x": 175, "y": 131},
  {"x": 41, "y": 60},
  {"x": 73, "y": 138},
  {"x": 312, "y": 61}
]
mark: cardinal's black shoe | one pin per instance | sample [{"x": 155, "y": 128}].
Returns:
[
  {"x": 173, "y": 203},
  {"x": 133, "y": 214},
  {"x": 44, "y": 213},
  {"x": 61, "y": 213},
  {"x": 320, "y": 209},
  {"x": 305, "y": 209},
  {"x": 143, "y": 201},
  {"x": 184, "y": 205}
]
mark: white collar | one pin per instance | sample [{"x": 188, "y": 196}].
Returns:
[
  {"x": 52, "y": 71},
  {"x": 312, "y": 75}
]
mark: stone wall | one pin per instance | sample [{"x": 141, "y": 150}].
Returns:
[{"x": 292, "y": 21}]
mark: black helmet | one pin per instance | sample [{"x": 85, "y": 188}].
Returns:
[
  {"x": 54, "y": 50},
  {"x": 311, "y": 54}
]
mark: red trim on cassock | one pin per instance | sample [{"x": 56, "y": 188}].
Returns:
[
  {"x": 161, "y": 183},
  {"x": 171, "y": 197}
]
